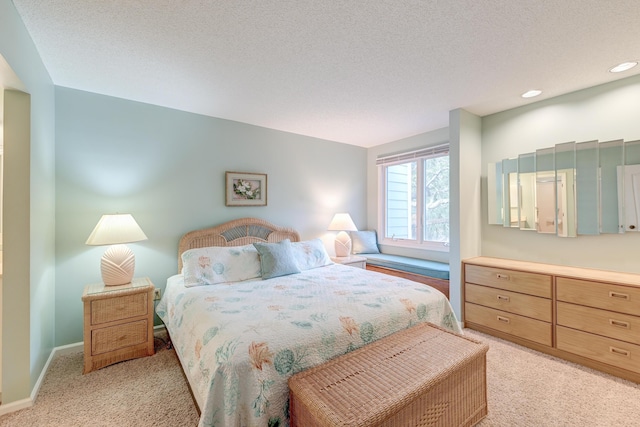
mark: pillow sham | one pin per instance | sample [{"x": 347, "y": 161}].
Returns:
[
  {"x": 364, "y": 242},
  {"x": 310, "y": 254},
  {"x": 276, "y": 259},
  {"x": 220, "y": 264}
]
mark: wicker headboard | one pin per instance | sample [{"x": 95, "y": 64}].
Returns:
[{"x": 238, "y": 232}]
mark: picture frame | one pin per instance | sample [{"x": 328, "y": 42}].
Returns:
[{"x": 245, "y": 189}]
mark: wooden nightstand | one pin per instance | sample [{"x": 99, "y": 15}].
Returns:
[
  {"x": 352, "y": 261},
  {"x": 118, "y": 323}
]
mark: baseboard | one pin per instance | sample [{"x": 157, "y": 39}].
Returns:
[
  {"x": 63, "y": 350},
  {"x": 7, "y": 408}
]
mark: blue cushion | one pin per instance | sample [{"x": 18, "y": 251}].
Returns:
[
  {"x": 276, "y": 259},
  {"x": 364, "y": 242},
  {"x": 439, "y": 270}
]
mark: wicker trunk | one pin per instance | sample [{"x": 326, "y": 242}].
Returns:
[{"x": 422, "y": 376}]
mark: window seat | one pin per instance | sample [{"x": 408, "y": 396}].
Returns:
[{"x": 432, "y": 273}]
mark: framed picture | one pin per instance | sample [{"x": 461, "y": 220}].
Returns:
[{"x": 246, "y": 189}]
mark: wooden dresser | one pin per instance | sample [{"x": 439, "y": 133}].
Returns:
[{"x": 587, "y": 316}]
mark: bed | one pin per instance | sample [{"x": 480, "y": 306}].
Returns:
[{"x": 241, "y": 333}]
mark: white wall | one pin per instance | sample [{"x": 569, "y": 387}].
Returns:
[
  {"x": 605, "y": 113},
  {"x": 465, "y": 140},
  {"x": 167, "y": 168},
  {"x": 28, "y": 284}
]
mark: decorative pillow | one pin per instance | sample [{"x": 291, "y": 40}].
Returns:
[
  {"x": 310, "y": 254},
  {"x": 364, "y": 242},
  {"x": 276, "y": 259},
  {"x": 220, "y": 264}
]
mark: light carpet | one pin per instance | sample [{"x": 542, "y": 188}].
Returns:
[{"x": 525, "y": 388}]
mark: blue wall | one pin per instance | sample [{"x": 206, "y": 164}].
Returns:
[{"x": 167, "y": 168}]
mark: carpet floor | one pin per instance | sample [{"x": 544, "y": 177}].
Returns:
[{"x": 525, "y": 388}]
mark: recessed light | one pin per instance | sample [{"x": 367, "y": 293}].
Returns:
[
  {"x": 531, "y": 93},
  {"x": 623, "y": 67}
]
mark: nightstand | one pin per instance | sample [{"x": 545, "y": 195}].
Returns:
[
  {"x": 118, "y": 323},
  {"x": 352, "y": 261}
]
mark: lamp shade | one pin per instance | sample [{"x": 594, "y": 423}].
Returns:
[
  {"x": 118, "y": 262},
  {"x": 342, "y": 222},
  {"x": 116, "y": 229}
]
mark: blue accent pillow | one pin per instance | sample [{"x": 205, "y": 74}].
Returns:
[
  {"x": 364, "y": 242},
  {"x": 276, "y": 259}
]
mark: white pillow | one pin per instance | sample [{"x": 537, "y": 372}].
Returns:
[
  {"x": 220, "y": 264},
  {"x": 310, "y": 254}
]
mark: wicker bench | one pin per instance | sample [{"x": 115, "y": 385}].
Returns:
[{"x": 422, "y": 376}]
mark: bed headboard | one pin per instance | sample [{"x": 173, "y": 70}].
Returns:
[{"x": 238, "y": 232}]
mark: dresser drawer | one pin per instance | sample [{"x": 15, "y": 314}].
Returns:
[
  {"x": 118, "y": 308},
  {"x": 511, "y": 280},
  {"x": 117, "y": 337},
  {"x": 602, "y": 322},
  {"x": 623, "y": 299},
  {"x": 520, "y": 326},
  {"x": 606, "y": 350},
  {"x": 500, "y": 299}
]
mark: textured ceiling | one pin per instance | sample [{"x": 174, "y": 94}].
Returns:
[{"x": 358, "y": 72}]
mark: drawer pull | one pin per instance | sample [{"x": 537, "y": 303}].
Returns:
[
  {"x": 503, "y": 319},
  {"x": 618, "y": 295},
  {"x": 502, "y": 276},
  {"x": 619, "y": 351},
  {"x": 503, "y": 298},
  {"x": 619, "y": 323}
]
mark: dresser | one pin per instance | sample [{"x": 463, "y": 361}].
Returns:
[
  {"x": 587, "y": 316},
  {"x": 118, "y": 323}
]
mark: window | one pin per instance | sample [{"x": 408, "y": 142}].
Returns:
[{"x": 414, "y": 198}]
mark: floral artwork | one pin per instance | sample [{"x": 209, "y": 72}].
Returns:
[{"x": 246, "y": 189}]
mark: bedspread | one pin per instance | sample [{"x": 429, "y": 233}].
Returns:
[{"x": 239, "y": 343}]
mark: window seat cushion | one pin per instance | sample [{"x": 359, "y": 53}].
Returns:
[{"x": 439, "y": 270}]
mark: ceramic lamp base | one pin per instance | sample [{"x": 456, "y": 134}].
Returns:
[
  {"x": 117, "y": 265},
  {"x": 343, "y": 244}
]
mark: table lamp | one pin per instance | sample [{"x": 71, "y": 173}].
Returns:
[
  {"x": 118, "y": 262},
  {"x": 342, "y": 222}
]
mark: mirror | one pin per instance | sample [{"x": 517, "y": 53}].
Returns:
[
  {"x": 565, "y": 195},
  {"x": 587, "y": 194},
  {"x": 610, "y": 154},
  {"x": 510, "y": 192},
  {"x": 572, "y": 188},
  {"x": 545, "y": 191},
  {"x": 629, "y": 178},
  {"x": 494, "y": 193},
  {"x": 527, "y": 191}
]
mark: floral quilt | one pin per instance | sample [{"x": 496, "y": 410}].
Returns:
[{"x": 239, "y": 343}]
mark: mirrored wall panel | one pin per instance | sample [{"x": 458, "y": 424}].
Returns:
[{"x": 570, "y": 189}]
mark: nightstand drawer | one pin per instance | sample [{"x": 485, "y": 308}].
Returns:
[
  {"x": 524, "y": 305},
  {"x": 602, "y": 322},
  {"x": 613, "y": 352},
  {"x": 120, "y": 336},
  {"x": 520, "y": 326},
  {"x": 118, "y": 308},
  {"x": 511, "y": 280}
]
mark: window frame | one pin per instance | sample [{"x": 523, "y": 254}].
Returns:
[{"x": 382, "y": 163}]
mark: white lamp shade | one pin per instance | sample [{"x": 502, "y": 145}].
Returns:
[
  {"x": 118, "y": 262},
  {"x": 342, "y": 222},
  {"x": 115, "y": 229}
]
